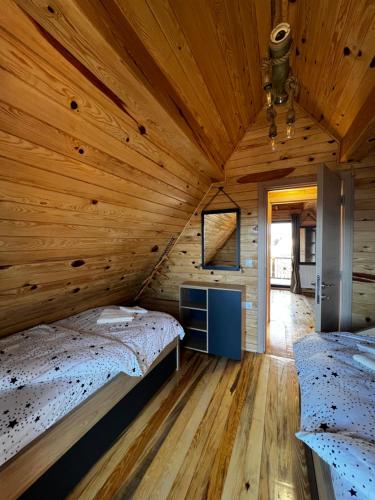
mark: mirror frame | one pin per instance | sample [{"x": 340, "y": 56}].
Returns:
[
  {"x": 300, "y": 262},
  {"x": 237, "y": 211}
]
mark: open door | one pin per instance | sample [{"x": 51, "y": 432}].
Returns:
[
  {"x": 269, "y": 223},
  {"x": 328, "y": 251}
]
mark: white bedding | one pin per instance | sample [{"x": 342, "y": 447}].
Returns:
[
  {"x": 338, "y": 410},
  {"x": 48, "y": 370},
  {"x": 146, "y": 335}
]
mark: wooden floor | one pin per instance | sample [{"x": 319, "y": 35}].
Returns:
[
  {"x": 291, "y": 317},
  {"x": 217, "y": 429}
]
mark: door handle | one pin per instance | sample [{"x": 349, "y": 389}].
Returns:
[
  {"x": 327, "y": 285},
  {"x": 325, "y": 297}
]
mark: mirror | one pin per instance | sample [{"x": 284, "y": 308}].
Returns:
[
  {"x": 307, "y": 245},
  {"x": 221, "y": 239}
]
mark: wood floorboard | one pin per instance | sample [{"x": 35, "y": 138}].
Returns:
[
  {"x": 216, "y": 430},
  {"x": 291, "y": 317}
]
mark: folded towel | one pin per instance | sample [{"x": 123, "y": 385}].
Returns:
[
  {"x": 367, "y": 361},
  {"x": 113, "y": 316},
  {"x": 370, "y": 348},
  {"x": 134, "y": 310}
]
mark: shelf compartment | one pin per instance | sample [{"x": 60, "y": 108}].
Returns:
[
  {"x": 195, "y": 319},
  {"x": 193, "y": 306},
  {"x": 200, "y": 326},
  {"x": 195, "y": 298},
  {"x": 195, "y": 340}
]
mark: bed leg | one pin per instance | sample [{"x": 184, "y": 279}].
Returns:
[{"x": 178, "y": 354}]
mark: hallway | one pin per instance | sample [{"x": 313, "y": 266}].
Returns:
[{"x": 292, "y": 317}]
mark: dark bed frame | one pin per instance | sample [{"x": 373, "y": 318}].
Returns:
[
  {"x": 321, "y": 487},
  {"x": 63, "y": 476},
  {"x": 320, "y": 481}
]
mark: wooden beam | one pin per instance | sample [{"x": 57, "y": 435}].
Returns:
[{"x": 360, "y": 138}]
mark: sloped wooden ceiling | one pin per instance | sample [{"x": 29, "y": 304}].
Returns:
[
  {"x": 182, "y": 70},
  {"x": 189, "y": 71},
  {"x": 334, "y": 60}
]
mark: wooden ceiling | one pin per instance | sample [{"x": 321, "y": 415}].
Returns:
[
  {"x": 306, "y": 210},
  {"x": 334, "y": 59},
  {"x": 183, "y": 71},
  {"x": 189, "y": 72}
]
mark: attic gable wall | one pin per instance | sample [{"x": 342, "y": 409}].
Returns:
[{"x": 309, "y": 147}]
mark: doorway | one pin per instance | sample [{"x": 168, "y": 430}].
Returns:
[
  {"x": 333, "y": 247},
  {"x": 281, "y": 254},
  {"x": 291, "y": 267}
]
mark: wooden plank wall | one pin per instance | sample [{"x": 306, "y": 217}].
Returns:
[
  {"x": 88, "y": 201},
  {"x": 117, "y": 115},
  {"x": 364, "y": 244},
  {"x": 309, "y": 147}
]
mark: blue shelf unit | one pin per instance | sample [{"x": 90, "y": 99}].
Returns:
[{"x": 212, "y": 318}]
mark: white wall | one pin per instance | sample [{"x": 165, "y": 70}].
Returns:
[{"x": 307, "y": 275}]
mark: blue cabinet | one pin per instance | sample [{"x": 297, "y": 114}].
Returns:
[
  {"x": 224, "y": 320},
  {"x": 212, "y": 318}
]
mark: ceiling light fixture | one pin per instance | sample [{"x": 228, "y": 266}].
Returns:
[{"x": 279, "y": 84}]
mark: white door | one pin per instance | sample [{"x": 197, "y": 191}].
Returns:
[{"x": 328, "y": 251}]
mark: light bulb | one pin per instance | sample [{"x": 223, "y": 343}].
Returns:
[
  {"x": 289, "y": 130},
  {"x": 269, "y": 97},
  {"x": 273, "y": 144}
]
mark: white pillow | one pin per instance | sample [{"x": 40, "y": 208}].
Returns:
[
  {"x": 370, "y": 348},
  {"x": 133, "y": 310},
  {"x": 369, "y": 332},
  {"x": 109, "y": 316},
  {"x": 367, "y": 361}
]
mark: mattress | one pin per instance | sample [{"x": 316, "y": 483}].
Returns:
[
  {"x": 48, "y": 370},
  {"x": 338, "y": 410}
]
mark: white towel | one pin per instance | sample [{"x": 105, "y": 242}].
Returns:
[
  {"x": 367, "y": 361},
  {"x": 134, "y": 310},
  {"x": 370, "y": 348},
  {"x": 113, "y": 316}
]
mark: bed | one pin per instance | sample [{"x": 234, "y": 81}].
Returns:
[
  {"x": 338, "y": 413},
  {"x": 58, "y": 380}
]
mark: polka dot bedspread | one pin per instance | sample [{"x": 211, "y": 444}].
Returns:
[
  {"x": 48, "y": 370},
  {"x": 338, "y": 409}
]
